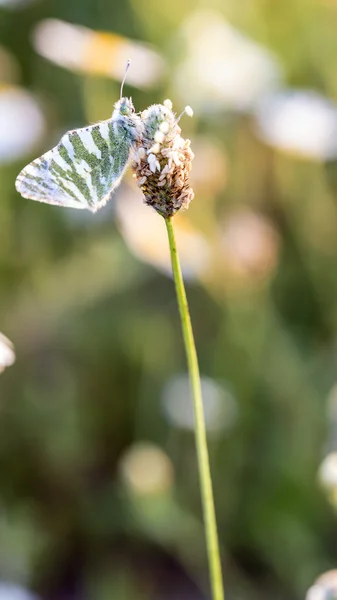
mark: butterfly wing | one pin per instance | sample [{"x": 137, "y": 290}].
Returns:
[{"x": 82, "y": 170}]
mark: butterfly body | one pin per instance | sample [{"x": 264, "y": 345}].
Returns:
[{"x": 87, "y": 164}]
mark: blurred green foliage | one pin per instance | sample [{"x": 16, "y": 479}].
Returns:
[{"x": 97, "y": 337}]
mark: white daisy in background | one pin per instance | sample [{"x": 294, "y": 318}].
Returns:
[
  {"x": 210, "y": 167},
  {"x": 13, "y": 591},
  {"x": 249, "y": 245},
  {"x": 12, "y": 4},
  {"x": 22, "y": 123},
  {"x": 7, "y": 354},
  {"x": 146, "y": 469},
  {"x": 327, "y": 474},
  {"x": 222, "y": 68},
  {"x": 219, "y": 404},
  {"x": 299, "y": 122},
  {"x": 324, "y": 588},
  {"x": 84, "y": 50}
]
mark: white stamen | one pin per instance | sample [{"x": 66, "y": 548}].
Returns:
[
  {"x": 164, "y": 127},
  {"x": 159, "y": 137},
  {"x": 178, "y": 142},
  {"x": 139, "y": 155},
  {"x": 168, "y": 103},
  {"x": 188, "y": 111},
  {"x": 162, "y": 174},
  {"x": 173, "y": 156},
  {"x": 153, "y": 163},
  {"x": 154, "y": 150}
]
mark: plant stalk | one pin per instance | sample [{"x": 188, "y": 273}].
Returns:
[{"x": 212, "y": 542}]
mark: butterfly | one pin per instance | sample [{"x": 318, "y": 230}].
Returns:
[{"x": 87, "y": 164}]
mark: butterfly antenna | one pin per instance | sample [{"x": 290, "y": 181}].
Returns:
[
  {"x": 187, "y": 111},
  {"x": 124, "y": 78}
]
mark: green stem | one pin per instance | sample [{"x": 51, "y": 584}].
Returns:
[{"x": 200, "y": 428}]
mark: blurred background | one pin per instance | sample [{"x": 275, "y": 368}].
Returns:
[{"x": 99, "y": 493}]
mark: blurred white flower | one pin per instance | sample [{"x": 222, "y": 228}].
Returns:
[
  {"x": 249, "y": 245},
  {"x": 144, "y": 232},
  {"x": 7, "y": 354},
  {"x": 324, "y": 588},
  {"x": 12, "y": 591},
  {"x": 223, "y": 68},
  {"x": 219, "y": 404},
  {"x": 299, "y": 122},
  {"x": 209, "y": 172},
  {"x": 15, "y": 3},
  {"x": 146, "y": 469},
  {"x": 21, "y": 123},
  {"x": 81, "y": 49},
  {"x": 327, "y": 472}
]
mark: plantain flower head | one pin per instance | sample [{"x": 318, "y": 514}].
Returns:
[{"x": 161, "y": 161}]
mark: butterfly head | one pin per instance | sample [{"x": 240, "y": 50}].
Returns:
[{"x": 126, "y": 107}]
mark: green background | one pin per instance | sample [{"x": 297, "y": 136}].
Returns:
[{"x": 97, "y": 337}]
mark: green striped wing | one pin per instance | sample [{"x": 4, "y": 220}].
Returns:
[{"x": 82, "y": 170}]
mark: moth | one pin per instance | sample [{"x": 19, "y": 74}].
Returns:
[{"x": 87, "y": 165}]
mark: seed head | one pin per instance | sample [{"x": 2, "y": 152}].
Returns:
[{"x": 161, "y": 161}]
